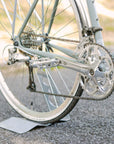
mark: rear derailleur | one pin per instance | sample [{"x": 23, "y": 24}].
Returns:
[{"x": 15, "y": 56}]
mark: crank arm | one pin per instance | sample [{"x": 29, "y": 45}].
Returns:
[
  {"x": 70, "y": 63},
  {"x": 48, "y": 63},
  {"x": 84, "y": 69}
]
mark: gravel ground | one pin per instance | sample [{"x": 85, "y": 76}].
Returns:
[{"x": 91, "y": 123}]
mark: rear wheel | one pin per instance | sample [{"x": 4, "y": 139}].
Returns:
[{"x": 15, "y": 76}]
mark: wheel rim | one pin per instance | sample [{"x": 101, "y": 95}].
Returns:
[{"x": 14, "y": 78}]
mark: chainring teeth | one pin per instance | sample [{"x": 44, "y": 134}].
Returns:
[{"x": 104, "y": 79}]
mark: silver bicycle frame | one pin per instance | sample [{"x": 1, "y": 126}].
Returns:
[
  {"x": 94, "y": 21},
  {"x": 89, "y": 17}
]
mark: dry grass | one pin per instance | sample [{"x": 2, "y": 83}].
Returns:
[
  {"x": 107, "y": 23},
  {"x": 107, "y": 3},
  {"x": 108, "y": 29}
]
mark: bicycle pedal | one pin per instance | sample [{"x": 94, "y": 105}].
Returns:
[{"x": 44, "y": 63}]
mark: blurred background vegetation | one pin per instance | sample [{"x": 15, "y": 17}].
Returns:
[
  {"x": 107, "y": 3},
  {"x": 105, "y": 9},
  {"x": 106, "y": 17}
]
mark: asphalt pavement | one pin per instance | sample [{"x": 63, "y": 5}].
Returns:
[{"x": 91, "y": 123}]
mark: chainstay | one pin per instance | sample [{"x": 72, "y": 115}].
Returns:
[
  {"x": 70, "y": 96},
  {"x": 54, "y": 38}
]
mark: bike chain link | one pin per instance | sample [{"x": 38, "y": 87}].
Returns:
[
  {"x": 70, "y": 96},
  {"x": 54, "y": 38}
]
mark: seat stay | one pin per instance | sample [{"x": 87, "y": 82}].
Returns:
[{"x": 27, "y": 18}]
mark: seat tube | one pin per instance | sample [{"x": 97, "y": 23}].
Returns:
[{"x": 94, "y": 20}]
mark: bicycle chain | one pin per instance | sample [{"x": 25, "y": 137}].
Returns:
[
  {"x": 70, "y": 96},
  {"x": 54, "y": 38}
]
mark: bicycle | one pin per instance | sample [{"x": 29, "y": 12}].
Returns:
[{"x": 53, "y": 51}]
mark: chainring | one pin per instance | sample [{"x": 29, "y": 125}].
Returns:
[{"x": 100, "y": 81}]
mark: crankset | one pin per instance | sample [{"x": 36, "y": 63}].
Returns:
[
  {"x": 99, "y": 83},
  {"x": 98, "y": 79}
]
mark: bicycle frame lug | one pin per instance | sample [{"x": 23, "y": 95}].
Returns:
[{"x": 89, "y": 31}]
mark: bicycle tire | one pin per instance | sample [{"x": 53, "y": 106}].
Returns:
[{"x": 8, "y": 89}]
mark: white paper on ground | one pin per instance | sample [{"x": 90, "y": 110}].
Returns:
[{"x": 20, "y": 125}]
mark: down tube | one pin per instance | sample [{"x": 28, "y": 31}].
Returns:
[{"x": 94, "y": 21}]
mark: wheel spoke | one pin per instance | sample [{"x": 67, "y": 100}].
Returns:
[
  {"x": 35, "y": 12},
  {"x": 54, "y": 89},
  {"x": 69, "y": 34},
  {"x": 7, "y": 12},
  {"x": 46, "y": 88},
  {"x": 43, "y": 21},
  {"x": 63, "y": 27},
  {"x": 4, "y": 28},
  {"x": 21, "y": 77},
  {"x": 63, "y": 80}
]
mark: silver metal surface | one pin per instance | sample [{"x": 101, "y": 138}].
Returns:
[
  {"x": 44, "y": 63},
  {"x": 94, "y": 21},
  {"x": 19, "y": 125}
]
